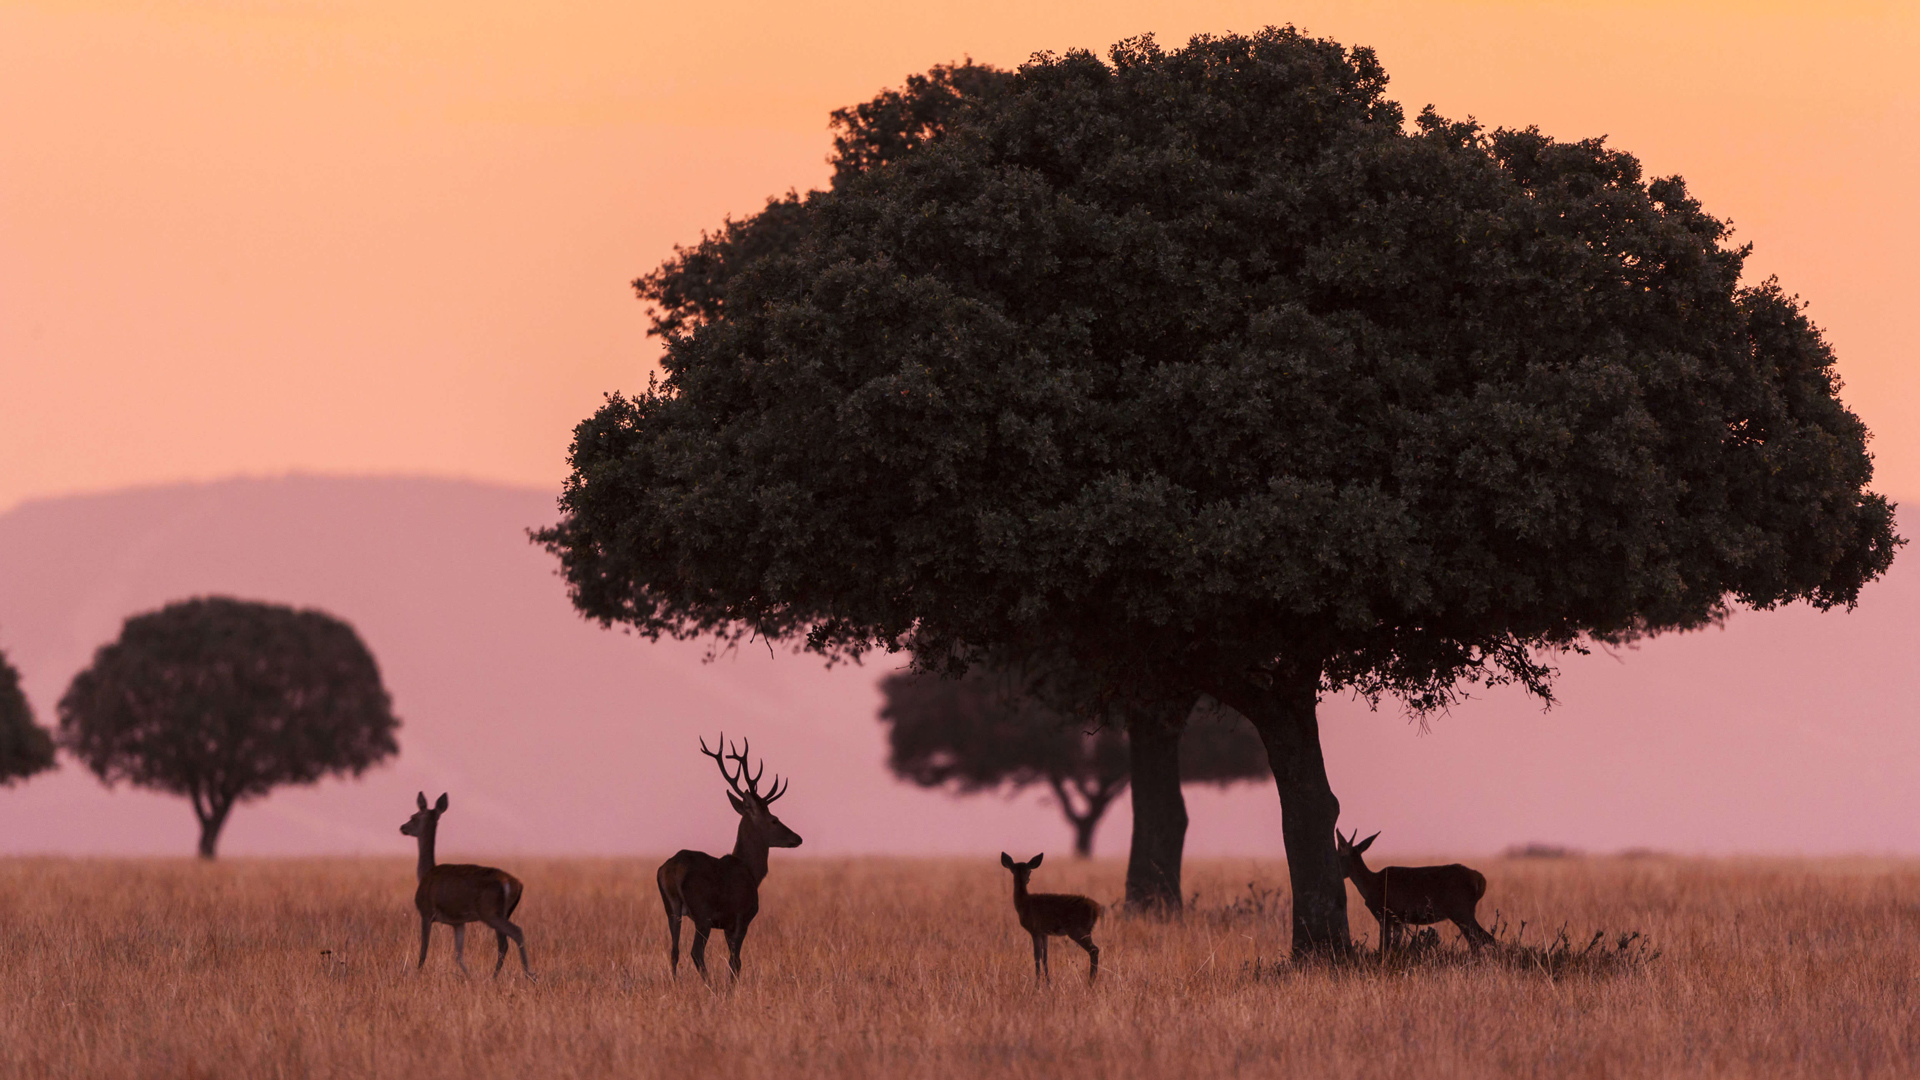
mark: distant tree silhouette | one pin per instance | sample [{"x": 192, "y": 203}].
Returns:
[
  {"x": 25, "y": 747},
  {"x": 222, "y": 700},
  {"x": 995, "y": 730}
]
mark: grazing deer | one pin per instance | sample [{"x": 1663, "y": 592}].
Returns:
[
  {"x": 725, "y": 892},
  {"x": 458, "y": 894},
  {"x": 1416, "y": 895},
  {"x": 1047, "y": 915}
]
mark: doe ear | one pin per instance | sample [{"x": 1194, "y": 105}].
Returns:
[
  {"x": 1034, "y": 863},
  {"x": 738, "y": 806},
  {"x": 440, "y": 806},
  {"x": 1364, "y": 844},
  {"x": 1006, "y": 860},
  {"x": 422, "y": 799}
]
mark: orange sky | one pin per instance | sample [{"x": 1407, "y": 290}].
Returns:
[{"x": 254, "y": 236}]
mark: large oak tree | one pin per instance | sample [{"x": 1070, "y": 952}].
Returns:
[
  {"x": 1206, "y": 369},
  {"x": 223, "y": 700}
]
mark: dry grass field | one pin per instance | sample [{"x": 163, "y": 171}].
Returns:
[{"x": 886, "y": 967}]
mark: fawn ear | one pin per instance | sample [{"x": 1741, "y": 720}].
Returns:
[
  {"x": 738, "y": 806},
  {"x": 1364, "y": 844},
  {"x": 1006, "y": 860},
  {"x": 440, "y": 807},
  {"x": 422, "y": 798},
  {"x": 1034, "y": 863}
]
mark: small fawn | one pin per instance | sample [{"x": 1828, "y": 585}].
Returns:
[
  {"x": 459, "y": 894},
  {"x": 1047, "y": 915},
  {"x": 1416, "y": 895}
]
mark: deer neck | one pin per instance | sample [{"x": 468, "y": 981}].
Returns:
[
  {"x": 1020, "y": 895},
  {"x": 1372, "y": 884},
  {"x": 750, "y": 847},
  {"x": 426, "y": 849}
]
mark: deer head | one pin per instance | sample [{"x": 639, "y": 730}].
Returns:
[
  {"x": 748, "y": 802},
  {"x": 1351, "y": 845},
  {"x": 1022, "y": 871},
  {"x": 1349, "y": 852},
  {"x": 424, "y": 818}
]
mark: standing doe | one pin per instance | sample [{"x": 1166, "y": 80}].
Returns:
[
  {"x": 457, "y": 894},
  {"x": 1416, "y": 895},
  {"x": 725, "y": 892},
  {"x": 1052, "y": 915}
]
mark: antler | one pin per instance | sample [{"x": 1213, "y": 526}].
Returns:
[
  {"x": 752, "y": 790},
  {"x": 732, "y": 781}
]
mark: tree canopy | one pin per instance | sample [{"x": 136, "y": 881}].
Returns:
[
  {"x": 26, "y": 748},
  {"x": 987, "y": 730},
  {"x": 1205, "y": 368},
  {"x": 222, "y": 700}
]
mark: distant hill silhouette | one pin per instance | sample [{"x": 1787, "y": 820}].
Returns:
[{"x": 1788, "y": 731}]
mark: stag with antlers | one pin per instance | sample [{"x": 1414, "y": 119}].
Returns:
[
  {"x": 725, "y": 892},
  {"x": 1415, "y": 895}
]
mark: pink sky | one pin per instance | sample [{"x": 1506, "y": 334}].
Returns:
[{"x": 248, "y": 237}]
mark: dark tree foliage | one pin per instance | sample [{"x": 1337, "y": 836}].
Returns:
[
  {"x": 1203, "y": 368},
  {"x": 26, "y": 748},
  {"x": 882, "y": 131},
  {"x": 222, "y": 700},
  {"x": 987, "y": 730}
]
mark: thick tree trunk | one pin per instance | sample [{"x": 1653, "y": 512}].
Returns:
[
  {"x": 1283, "y": 712},
  {"x": 1159, "y": 813}
]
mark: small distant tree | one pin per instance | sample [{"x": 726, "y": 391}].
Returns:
[
  {"x": 25, "y": 747},
  {"x": 223, "y": 700},
  {"x": 991, "y": 730}
]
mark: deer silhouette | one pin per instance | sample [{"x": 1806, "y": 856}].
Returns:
[
  {"x": 1416, "y": 895},
  {"x": 1045, "y": 915},
  {"x": 457, "y": 894},
  {"x": 725, "y": 892}
]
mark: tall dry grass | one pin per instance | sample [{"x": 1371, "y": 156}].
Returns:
[{"x": 887, "y": 967}]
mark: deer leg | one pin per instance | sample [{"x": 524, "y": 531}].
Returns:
[
  {"x": 1039, "y": 954},
  {"x": 701, "y": 929},
  {"x": 735, "y": 939},
  {"x": 1045, "y": 960},
  {"x": 460, "y": 947},
  {"x": 426, "y": 936},
  {"x": 1085, "y": 941},
  {"x": 1475, "y": 934},
  {"x": 673, "y": 932},
  {"x": 504, "y": 930}
]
